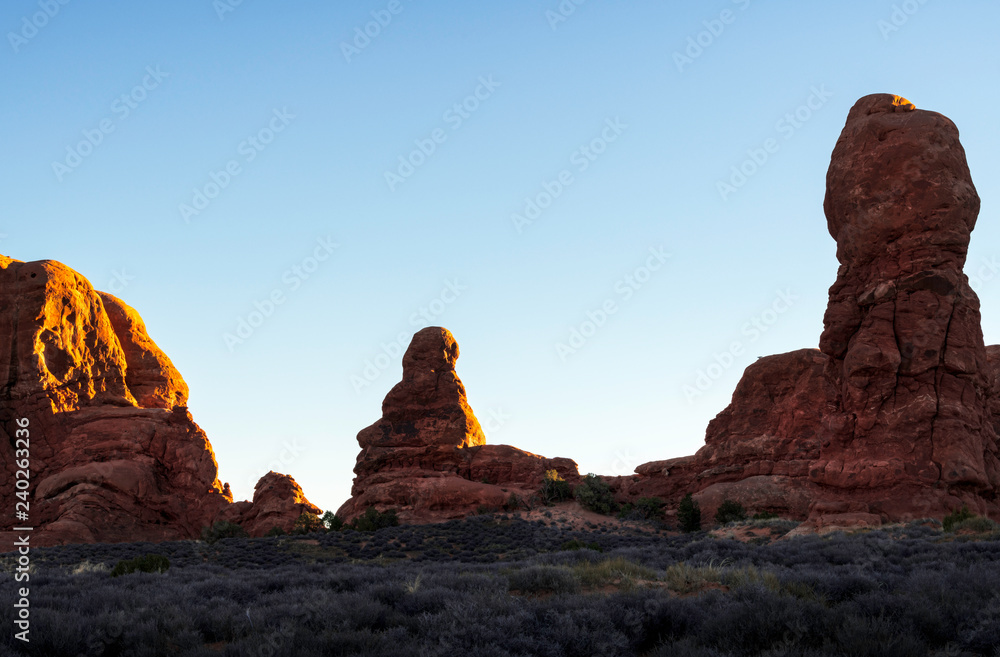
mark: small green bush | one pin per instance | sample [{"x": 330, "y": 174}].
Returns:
[
  {"x": 308, "y": 523},
  {"x": 332, "y": 521},
  {"x": 595, "y": 494},
  {"x": 610, "y": 571},
  {"x": 223, "y": 529},
  {"x": 730, "y": 511},
  {"x": 689, "y": 515},
  {"x": 976, "y": 524},
  {"x": 644, "y": 508},
  {"x": 147, "y": 563},
  {"x": 577, "y": 544},
  {"x": 275, "y": 531},
  {"x": 514, "y": 503},
  {"x": 651, "y": 508},
  {"x": 373, "y": 520},
  {"x": 956, "y": 517},
  {"x": 540, "y": 579},
  {"x": 554, "y": 488},
  {"x": 764, "y": 515},
  {"x": 486, "y": 510}
]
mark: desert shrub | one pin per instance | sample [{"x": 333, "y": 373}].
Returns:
[
  {"x": 956, "y": 516},
  {"x": 147, "y": 563},
  {"x": 275, "y": 531},
  {"x": 514, "y": 503},
  {"x": 975, "y": 524},
  {"x": 88, "y": 567},
  {"x": 594, "y": 494},
  {"x": 554, "y": 488},
  {"x": 543, "y": 579},
  {"x": 223, "y": 529},
  {"x": 651, "y": 508},
  {"x": 730, "y": 511},
  {"x": 628, "y": 511},
  {"x": 765, "y": 515},
  {"x": 577, "y": 544},
  {"x": 684, "y": 578},
  {"x": 751, "y": 576},
  {"x": 373, "y": 520},
  {"x": 308, "y": 523},
  {"x": 689, "y": 514},
  {"x": 332, "y": 521},
  {"x": 486, "y": 510},
  {"x": 616, "y": 569}
]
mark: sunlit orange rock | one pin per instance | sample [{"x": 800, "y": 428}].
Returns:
[
  {"x": 426, "y": 457},
  {"x": 151, "y": 377},
  {"x": 114, "y": 452}
]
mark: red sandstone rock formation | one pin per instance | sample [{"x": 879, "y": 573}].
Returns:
[
  {"x": 114, "y": 452},
  {"x": 278, "y": 501},
  {"x": 896, "y": 415},
  {"x": 427, "y": 456}
]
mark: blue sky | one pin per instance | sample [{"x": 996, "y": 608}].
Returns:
[{"x": 367, "y": 186}]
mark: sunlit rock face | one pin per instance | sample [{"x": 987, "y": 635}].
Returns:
[
  {"x": 114, "y": 453},
  {"x": 427, "y": 456},
  {"x": 896, "y": 414}
]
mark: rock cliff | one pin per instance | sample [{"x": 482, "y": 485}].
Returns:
[{"x": 114, "y": 453}]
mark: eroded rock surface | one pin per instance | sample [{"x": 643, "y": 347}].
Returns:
[
  {"x": 114, "y": 453},
  {"x": 426, "y": 457},
  {"x": 895, "y": 416}
]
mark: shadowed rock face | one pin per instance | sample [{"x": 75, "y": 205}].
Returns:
[
  {"x": 427, "y": 457},
  {"x": 427, "y": 413},
  {"x": 896, "y": 415},
  {"x": 903, "y": 325},
  {"x": 114, "y": 452}
]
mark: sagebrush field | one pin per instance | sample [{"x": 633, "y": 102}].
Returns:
[{"x": 499, "y": 585}]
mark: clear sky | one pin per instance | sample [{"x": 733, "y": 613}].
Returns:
[{"x": 510, "y": 170}]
